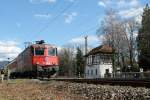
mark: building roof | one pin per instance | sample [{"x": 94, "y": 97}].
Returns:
[{"x": 106, "y": 49}]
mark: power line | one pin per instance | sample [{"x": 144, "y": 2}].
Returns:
[
  {"x": 52, "y": 20},
  {"x": 93, "y": 28},
  {"x": 59, "y": 14},
  {"x": 56, "y": 17}
]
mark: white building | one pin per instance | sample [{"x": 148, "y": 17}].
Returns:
[{"x": 99, "y": 62}]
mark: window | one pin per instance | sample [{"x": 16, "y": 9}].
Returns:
[
  {"x": 89, "y": 59},
  {"x": 93, "y": 59},
  {"x": 88, "y": 72},
  {"x": 32, "y": 50},
  {"x": 95, "y": 71},
  {"x": 51, "y": 52},
  {"x": 91, "y": 72},
  {"x": 39, "y": 51},
  {"x": 97, "y": 59},
  {"x": 106, "y": 59}
]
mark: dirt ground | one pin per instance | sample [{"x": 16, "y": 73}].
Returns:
[{"x": 32, "y": 90}]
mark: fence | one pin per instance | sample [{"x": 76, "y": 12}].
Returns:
[
  {"x": 122, "y": 75},
  {"x": 131, "y": 75}
]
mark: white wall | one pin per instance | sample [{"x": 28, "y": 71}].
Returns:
[
  {"x": 101, "y": 69},
  {"x": 93, "y": 68}
]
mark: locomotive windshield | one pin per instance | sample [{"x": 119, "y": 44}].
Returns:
[
  {"x": 39, "y": 51},
  {"x": 51, "y": 52}
]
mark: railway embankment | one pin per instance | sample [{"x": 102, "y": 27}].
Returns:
[
  {"x": 104, "y": 92},
  {"x": 59, "y": 90}
]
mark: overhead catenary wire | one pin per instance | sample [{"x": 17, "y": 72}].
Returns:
[
  {"x": 56, "y": 17},
  {"x": 50, "y": 22},
  {"x": 85, "y": 32},
  {"x": 90, "y": 29}
]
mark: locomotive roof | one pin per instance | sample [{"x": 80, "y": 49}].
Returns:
[{"x": 42, "y": 45}]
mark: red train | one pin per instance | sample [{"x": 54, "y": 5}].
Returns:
[{"x": 38, "y": 59}]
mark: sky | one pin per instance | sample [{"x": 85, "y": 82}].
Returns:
[{"x": 58, "y": 22}]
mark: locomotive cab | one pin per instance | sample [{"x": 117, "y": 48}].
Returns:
[{"x": 45, "y": 59}]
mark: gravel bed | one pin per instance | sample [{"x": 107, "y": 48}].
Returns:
[
  {"x": 58, "y": 90},
  {"x": 103, "y": 92}
]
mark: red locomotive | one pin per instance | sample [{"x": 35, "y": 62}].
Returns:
[{"x": 38, "y": 59}]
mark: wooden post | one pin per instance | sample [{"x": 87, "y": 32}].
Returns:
[{"x": 2, "y": 76}]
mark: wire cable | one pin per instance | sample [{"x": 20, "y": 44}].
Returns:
[{"x": 56, "y": 17}]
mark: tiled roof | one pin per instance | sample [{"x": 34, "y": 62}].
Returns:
[{"x": 101, "y": 49}]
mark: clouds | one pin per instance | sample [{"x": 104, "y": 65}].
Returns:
[
  {"x": 128, "y": 4},
  {"x": 100, "y": 3},
  {"x": 132, "y": 13},
  {"x": 134, "y": 3},
  {"x": 42, "y": 1},
  {"x": 119, "y": 3},
  {"x": 42, "y": 16},
  {"x": 133, "y": 10},
  {"x": 9, "y": 49},
  {"x": 126, "y": 8},
  {"x": 92, "y": 39},
  {"x": 69, "y": 17}
]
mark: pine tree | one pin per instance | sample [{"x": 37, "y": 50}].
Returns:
[
  {"x": 79, "y": 62},
  {"x": 144, "y": 40}
]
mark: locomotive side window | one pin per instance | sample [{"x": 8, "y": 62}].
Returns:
[
  {"x": 51, "y": 52},
  {"x": 39, "y": 51}
]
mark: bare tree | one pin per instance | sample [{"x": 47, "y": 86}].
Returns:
[
  {"x": 113, "y": 31},
  {"x": 120, "y": 34},
  {"x": 131, "y": 27}
]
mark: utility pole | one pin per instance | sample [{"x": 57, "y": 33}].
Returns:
[
  {"x": 86, "y": 45},
  {"x": 8, "y": 71},
  {"x": 86, "y": 37}
]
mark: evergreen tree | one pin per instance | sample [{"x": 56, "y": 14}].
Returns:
[
  {"x": 66, "y": 62},
  {"x": 144, "y": 40},
  {"x": 79, "y": 62}
]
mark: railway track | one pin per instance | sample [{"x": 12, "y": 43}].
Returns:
[{"x": 107, "y": 81}]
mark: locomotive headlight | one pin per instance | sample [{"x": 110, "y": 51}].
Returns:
[{"x": 37, "y": 62}]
